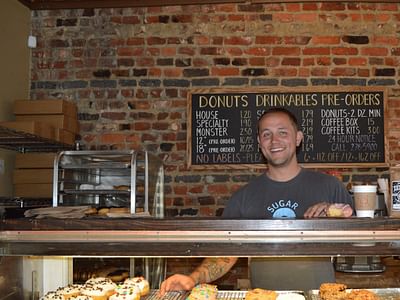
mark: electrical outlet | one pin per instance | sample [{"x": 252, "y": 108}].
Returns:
[{"x": 2, "y": 167}]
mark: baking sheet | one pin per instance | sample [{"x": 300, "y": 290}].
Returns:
[
  {"x": 222, "y": 295},
  {"x": 384, "y": 294}
]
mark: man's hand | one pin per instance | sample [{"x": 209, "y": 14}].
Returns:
[
  {"x": 325, "y": 209},
  {"x": 177, "y": 282}
]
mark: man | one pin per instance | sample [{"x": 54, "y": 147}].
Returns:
[{"x": 285, "y": 190}]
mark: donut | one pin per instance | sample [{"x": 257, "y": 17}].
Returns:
[
  {"x": 141, "y": 283},
  {"x": 126, "y": 292}
]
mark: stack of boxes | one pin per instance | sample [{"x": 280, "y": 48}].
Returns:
[
  {"x": 33, "y": 175},
  {"x": 51, "y": 119},
  {"x": 59, "y": 114}
]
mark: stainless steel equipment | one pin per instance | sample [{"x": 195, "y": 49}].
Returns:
[{"x": 133, "y": 179}]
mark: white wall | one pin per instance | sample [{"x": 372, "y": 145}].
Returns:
[{"x": 14, "y": 74}]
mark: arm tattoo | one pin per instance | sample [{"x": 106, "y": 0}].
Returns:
[{"x": 213, "y": 268}]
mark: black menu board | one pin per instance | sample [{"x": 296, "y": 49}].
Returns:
[{"x": 342, "y": 127}]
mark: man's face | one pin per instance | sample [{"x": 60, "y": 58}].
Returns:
[{"x": 278, "y": 139}]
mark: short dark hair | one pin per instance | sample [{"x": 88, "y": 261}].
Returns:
[{"x": 287, "y": 112}]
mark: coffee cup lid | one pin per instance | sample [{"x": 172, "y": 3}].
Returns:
[{"x": 364, "y": 188}]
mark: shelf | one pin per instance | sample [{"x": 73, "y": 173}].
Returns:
[
  {"x": 200, "y": 237},
  {"x": 25, "y": 142}
]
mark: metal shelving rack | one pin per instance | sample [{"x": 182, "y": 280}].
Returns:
[{"x": 25, "y": 142}]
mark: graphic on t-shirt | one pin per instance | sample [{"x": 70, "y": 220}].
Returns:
[{"x": 283, "y": 209}]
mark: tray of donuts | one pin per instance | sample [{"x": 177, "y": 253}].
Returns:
[
  {"x": 102, "y": 288},
  {"x": 338, "y": 291}
]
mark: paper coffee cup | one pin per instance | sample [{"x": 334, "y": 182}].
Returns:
[
  {"x": 365, "y": 200},
  {"x": 365, "y": 213}
]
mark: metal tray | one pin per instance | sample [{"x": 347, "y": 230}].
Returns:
[
  {"x": 222, "y": 295},
  {"x": 384, "y": 294}
]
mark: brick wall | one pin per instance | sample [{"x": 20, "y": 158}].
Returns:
[{"x": 129, "y": 72}]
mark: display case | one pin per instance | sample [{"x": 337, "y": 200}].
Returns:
[
  {"x": 52, "y": 238},
  {"x": 131, "y": 179}
]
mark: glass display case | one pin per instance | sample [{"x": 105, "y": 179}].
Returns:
[{"x": 54, "y": 242}]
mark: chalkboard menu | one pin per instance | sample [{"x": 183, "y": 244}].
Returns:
[{"x": 341, "y": 127}]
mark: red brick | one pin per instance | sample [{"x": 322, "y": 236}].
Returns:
[
  {"x": 236, "y": 18},
  {"x": 310, "y": 6},
  {"x": 284, "y": 72},
  {"x": 145, "y": 62},
  {"x": 363, "y": 72},
  {"x": 304, "y": 72},
  {"x": 167, "y": 51},
  {"x": 217, "y": 189},
  {"x": 293, "y": 7},
  {"x": 172, "y": 72},
  {"x": 196, "y": 189},
  {"x": 215, "y": 71},
  {"x": 374, "y": 51},
  {"x": 135, "y": 41},
  {"x": 234, "y": 51},
  {"x": 272, "y": 40},
  {"x": 320, "y": 72},
  {"x": 317, "y": 51},
  {"x": 357, "y": 61},
  {"x": 258, "y": 51},
  {"x": 309, "y": 61},
  {"x": 386, "y": 40},
  {"x": 180, "y": 190},
  {"x": 130, "y": 20},
  {"x": 141, "y": 126},
  {"x": 323, "y": 61},
  {"x": 285, "y": 51},
  {"x": 154, "y": 72},
  {"x": 306, "y": 17},
  {"x": 202, "y": 40},
  {"x": 343, "y": 72},
  {"x": 257, "y": 61},
  {"x": 272, "y": 61},
  {"x": 186, "y": 51},
  {"x": 112, "y": 138},
  {"x": 344, "y": 51},
  {"x": 238, "y": 41},
  {"x": 326, "y": 40},
  {"x": 125, "y": 51},
  {"x": 283, "y": 17}
]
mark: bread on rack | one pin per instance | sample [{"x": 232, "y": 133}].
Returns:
[
  {"x": 261, "y": 294},
  {"x": 332, "y": 291}
]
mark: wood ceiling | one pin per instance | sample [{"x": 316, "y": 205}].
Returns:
[{"x": 68, "y": 4}]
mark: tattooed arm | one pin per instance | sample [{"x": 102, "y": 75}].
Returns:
[{"x": 210, "y": 269}]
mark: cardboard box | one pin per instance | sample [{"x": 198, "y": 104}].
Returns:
[
  {"x": 65, "y": 136},
  {"x": 57, "y": 121},
  {"x": 39, "y": 107},
  {"x": 34, "y": 160},
  {"x": 36, "y": 128},
  {"x": 33, "y": 190},
  {"x": 33, "y": 176}
]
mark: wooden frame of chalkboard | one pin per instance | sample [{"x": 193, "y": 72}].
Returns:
[{"x": 342, "y": 127}]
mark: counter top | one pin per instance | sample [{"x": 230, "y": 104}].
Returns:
[{"x": 200, "y": 237}]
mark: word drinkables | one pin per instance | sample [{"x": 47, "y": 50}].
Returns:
[{"x": 339, "y": 127}]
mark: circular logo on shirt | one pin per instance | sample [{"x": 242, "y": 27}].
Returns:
[{"x": 284, "y": 213}]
